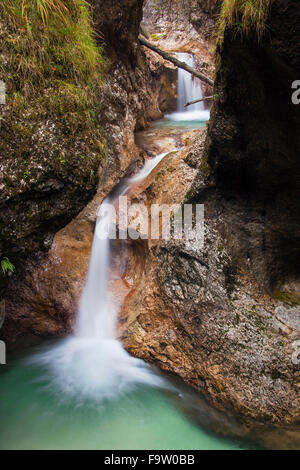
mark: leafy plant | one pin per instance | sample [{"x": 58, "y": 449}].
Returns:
[{"x": 6, "y": 265}]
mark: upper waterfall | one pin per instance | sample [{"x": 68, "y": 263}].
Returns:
[{"x": 189, "y": 88}]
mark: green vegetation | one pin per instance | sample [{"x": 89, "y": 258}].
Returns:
[
  {"x": 52, "y": 39},
  {"x": 53, "y": 67},
  {"x": 157, "y": 36},
  {"x": 6, "y": 265},
  {"x": 244, "y": 16},
  {"x": 286, "y": 297}
]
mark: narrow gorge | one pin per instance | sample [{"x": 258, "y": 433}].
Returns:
[{"x": 121, "y": 342}]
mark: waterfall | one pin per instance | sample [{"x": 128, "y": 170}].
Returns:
[
  {"x": 96, "y": 316},
  {"x": 189, "y": 88},
  {"x": 92, "y": 364}
]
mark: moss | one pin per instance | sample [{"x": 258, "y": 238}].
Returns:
[
  {"x": 53, "y": 68},
  {"x": 157, "y": 37},
  {"x": 244, "y": 16},
  {"x": 286, "y": 297},
  {"x": 204, "y": 164},
  {"x": 189, "y": 194}
]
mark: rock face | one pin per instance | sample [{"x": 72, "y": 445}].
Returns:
[
  {"x": 50, "y": 146},
  {"x": 53, "y": 151},
  {"x": 202, "y": 14},
  {"x": 253, "y": 143}
]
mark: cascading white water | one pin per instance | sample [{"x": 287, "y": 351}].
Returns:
[
  {"x": 92, "y": 364},
  {"x": 95, "y": 316},
  {"x": 188, "y": 89}
]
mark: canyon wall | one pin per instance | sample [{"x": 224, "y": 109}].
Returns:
[
  {"x": 253, "y": 143},
  {"x": 51, "y": 143},
  {"x": 184, "y": 27}
]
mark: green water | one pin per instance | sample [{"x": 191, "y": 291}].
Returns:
[
  {"x": 169, "y": 123},
  {"x": 33, "y": 416}
]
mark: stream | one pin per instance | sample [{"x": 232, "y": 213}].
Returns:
[{"x": 86, "y": 391}]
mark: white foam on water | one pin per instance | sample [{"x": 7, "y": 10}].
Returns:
[
  {"x": 189, "y": 116},
  {"x": 94, "y": 369},
  {"x": 150, "y": 164}
]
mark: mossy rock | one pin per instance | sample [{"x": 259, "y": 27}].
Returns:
[{"x": 289, "y": 298}]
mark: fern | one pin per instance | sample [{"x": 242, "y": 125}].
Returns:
[{"x": 6, "y": 265}]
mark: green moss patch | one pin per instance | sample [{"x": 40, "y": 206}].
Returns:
[{"x": 288, "y": 298}]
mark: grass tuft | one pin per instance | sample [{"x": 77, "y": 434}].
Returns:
[
  {"x": 53, "y": 66},
  {"x": 53, "y": 38},
  {"x": 245, "y": 16},
  {"x": 289, "y": 298}
]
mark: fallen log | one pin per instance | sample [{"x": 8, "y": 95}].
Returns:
[
  {"x": 178, "y": 63},
  {"x": 198, "y": 101}
]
